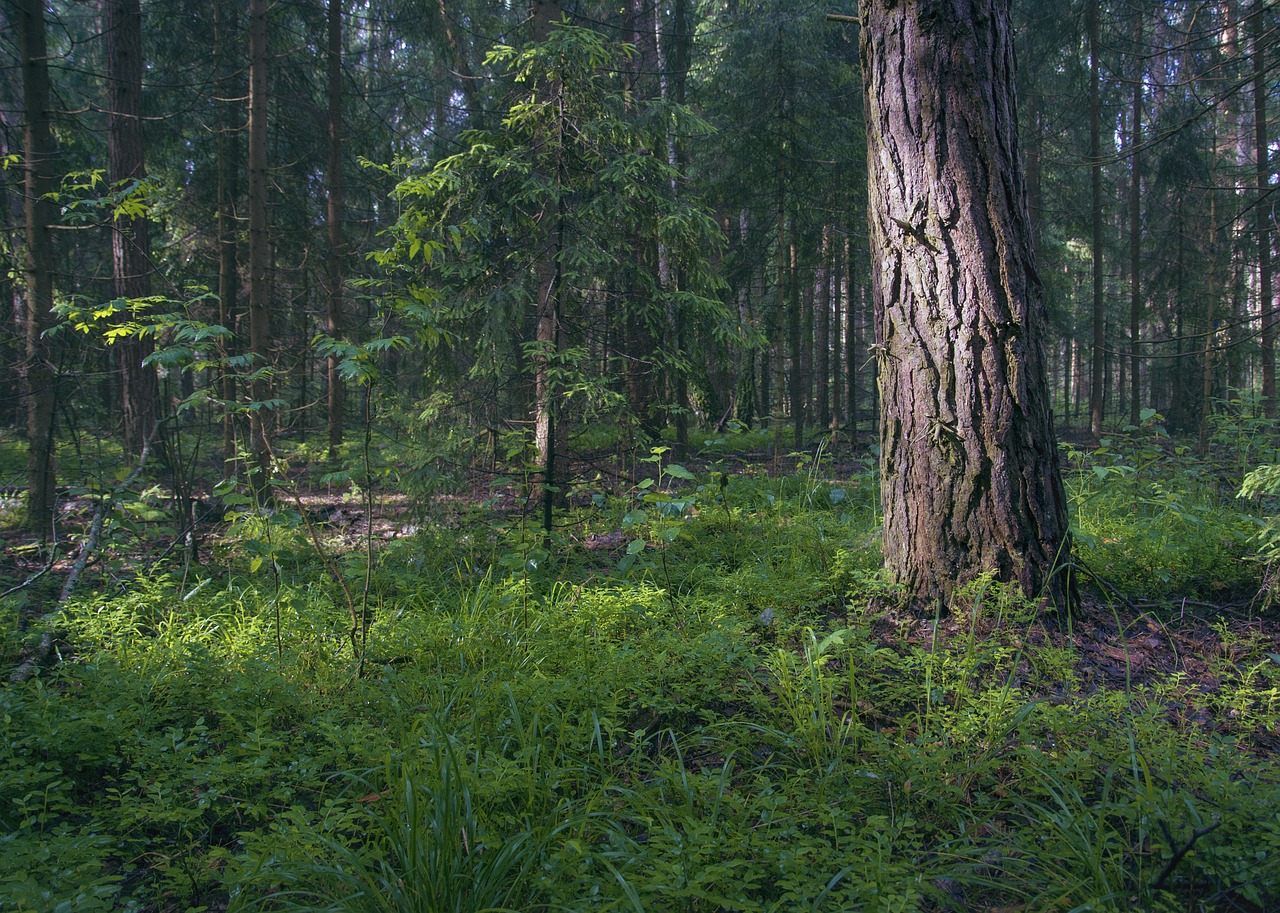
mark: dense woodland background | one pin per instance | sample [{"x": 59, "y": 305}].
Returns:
[
  {"x": 438, "y": 470},
  {"x": 1146, "y": 134}
]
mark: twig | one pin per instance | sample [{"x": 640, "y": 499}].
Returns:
[
  {"x": 1105, "y": 583},
  {"x": 1177, "y": 857},
  {"x": 317, "y": 545}
]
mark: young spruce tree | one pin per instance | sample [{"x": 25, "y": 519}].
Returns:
[{"x": 524, "y": 244}]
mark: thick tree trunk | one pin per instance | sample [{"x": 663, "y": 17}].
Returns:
[
  {"x": 130, "y": 242},
  {"x": 41, "y": 377},
  {"x": 969, "y": 463},
  {"x": 334, "y": 254},
  {"x": 259, "y": 248}
]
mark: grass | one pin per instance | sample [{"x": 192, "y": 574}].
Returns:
[{"x": 739, "y": 721}]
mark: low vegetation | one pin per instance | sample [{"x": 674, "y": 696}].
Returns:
[{"x": 700, "y": 695}]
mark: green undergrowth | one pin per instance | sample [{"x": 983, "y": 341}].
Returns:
[
  {"x": 729, "y": 721},
  {"x": 1157, "y": 522}
]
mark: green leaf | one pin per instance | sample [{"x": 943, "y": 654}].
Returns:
[
  {"x": 635, "y": 546},
  {"x": 633, "y": 517},
  {"x": 675, "y": 470},
  {"x": 225, "y": 487}
]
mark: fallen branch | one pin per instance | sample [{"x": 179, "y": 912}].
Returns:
[
  {"x": 37, "y": 655},
  {"x": 53, "y": 559}
]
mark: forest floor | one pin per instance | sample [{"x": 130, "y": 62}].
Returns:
[{"x": 746, "y": 716}]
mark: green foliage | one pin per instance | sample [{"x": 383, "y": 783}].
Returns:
[
  {"x": 738, "y": 729},
  {"x": 568, "y": 187},
  {"x": 1150, "y": 516}
]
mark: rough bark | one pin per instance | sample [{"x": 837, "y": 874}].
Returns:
[
  {"x": 969, "y": 463},
  {"x": 41, "y": 376},
  {"x": 130, "y": 237}
]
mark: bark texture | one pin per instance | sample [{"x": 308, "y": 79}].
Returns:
[
  {"x": 41, "y": 375},
  {"x": 969, "y": 464},
  {"x": 130, "y": 243}
]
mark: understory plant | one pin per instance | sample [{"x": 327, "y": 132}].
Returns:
[{"x": 750, "y": 730}]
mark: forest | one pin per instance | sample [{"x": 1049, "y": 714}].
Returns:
[{"x": 658, "y": 455}]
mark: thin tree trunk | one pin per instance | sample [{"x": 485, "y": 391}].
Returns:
[
  {"x": 41, "y": 376},
  {"x": 259, "y": 248},
  {"x": 1135, "y": 240},
  {"x": 336, "y": 249},
  {"x": 1097, "y": 363},
  {"x": 850, "y": 343},
  {"x": 822, "y": 335},
  {"x": 130, "y": 244},
  {"x": 466, "y": 80},
  {"x": 1210, "y": 318},
  {"x": 228, "y": 246},
  {"x": 549, "y": 430},
  {"x": 795, "y": 342},
  {"x": 968, "y": 458},
  {"x": 1262, "y": 211},
  {"x": 778, "y": 337}
]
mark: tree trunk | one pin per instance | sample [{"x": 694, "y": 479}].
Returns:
[
  {"x": 969, "y": 462},
  {"x": 850, "y": 343},
  {"x": 1210, "y": 317},
  {"x": 333, "y": 261},
  {"x": 822, "y": 335},
  {"x": 38, "y": 214},
  {"x": 549, "y": 431},
  {"x": 1135, "y": 240},
  {"x": 228, "y": 245},
  {"x": 1262, "y": 212},
  {"x": 1097, "y": 377},
  {"x": 797, "y": 383},
  {"x": 259, "y": 248},
  {"x": 130, "y": 243}
]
